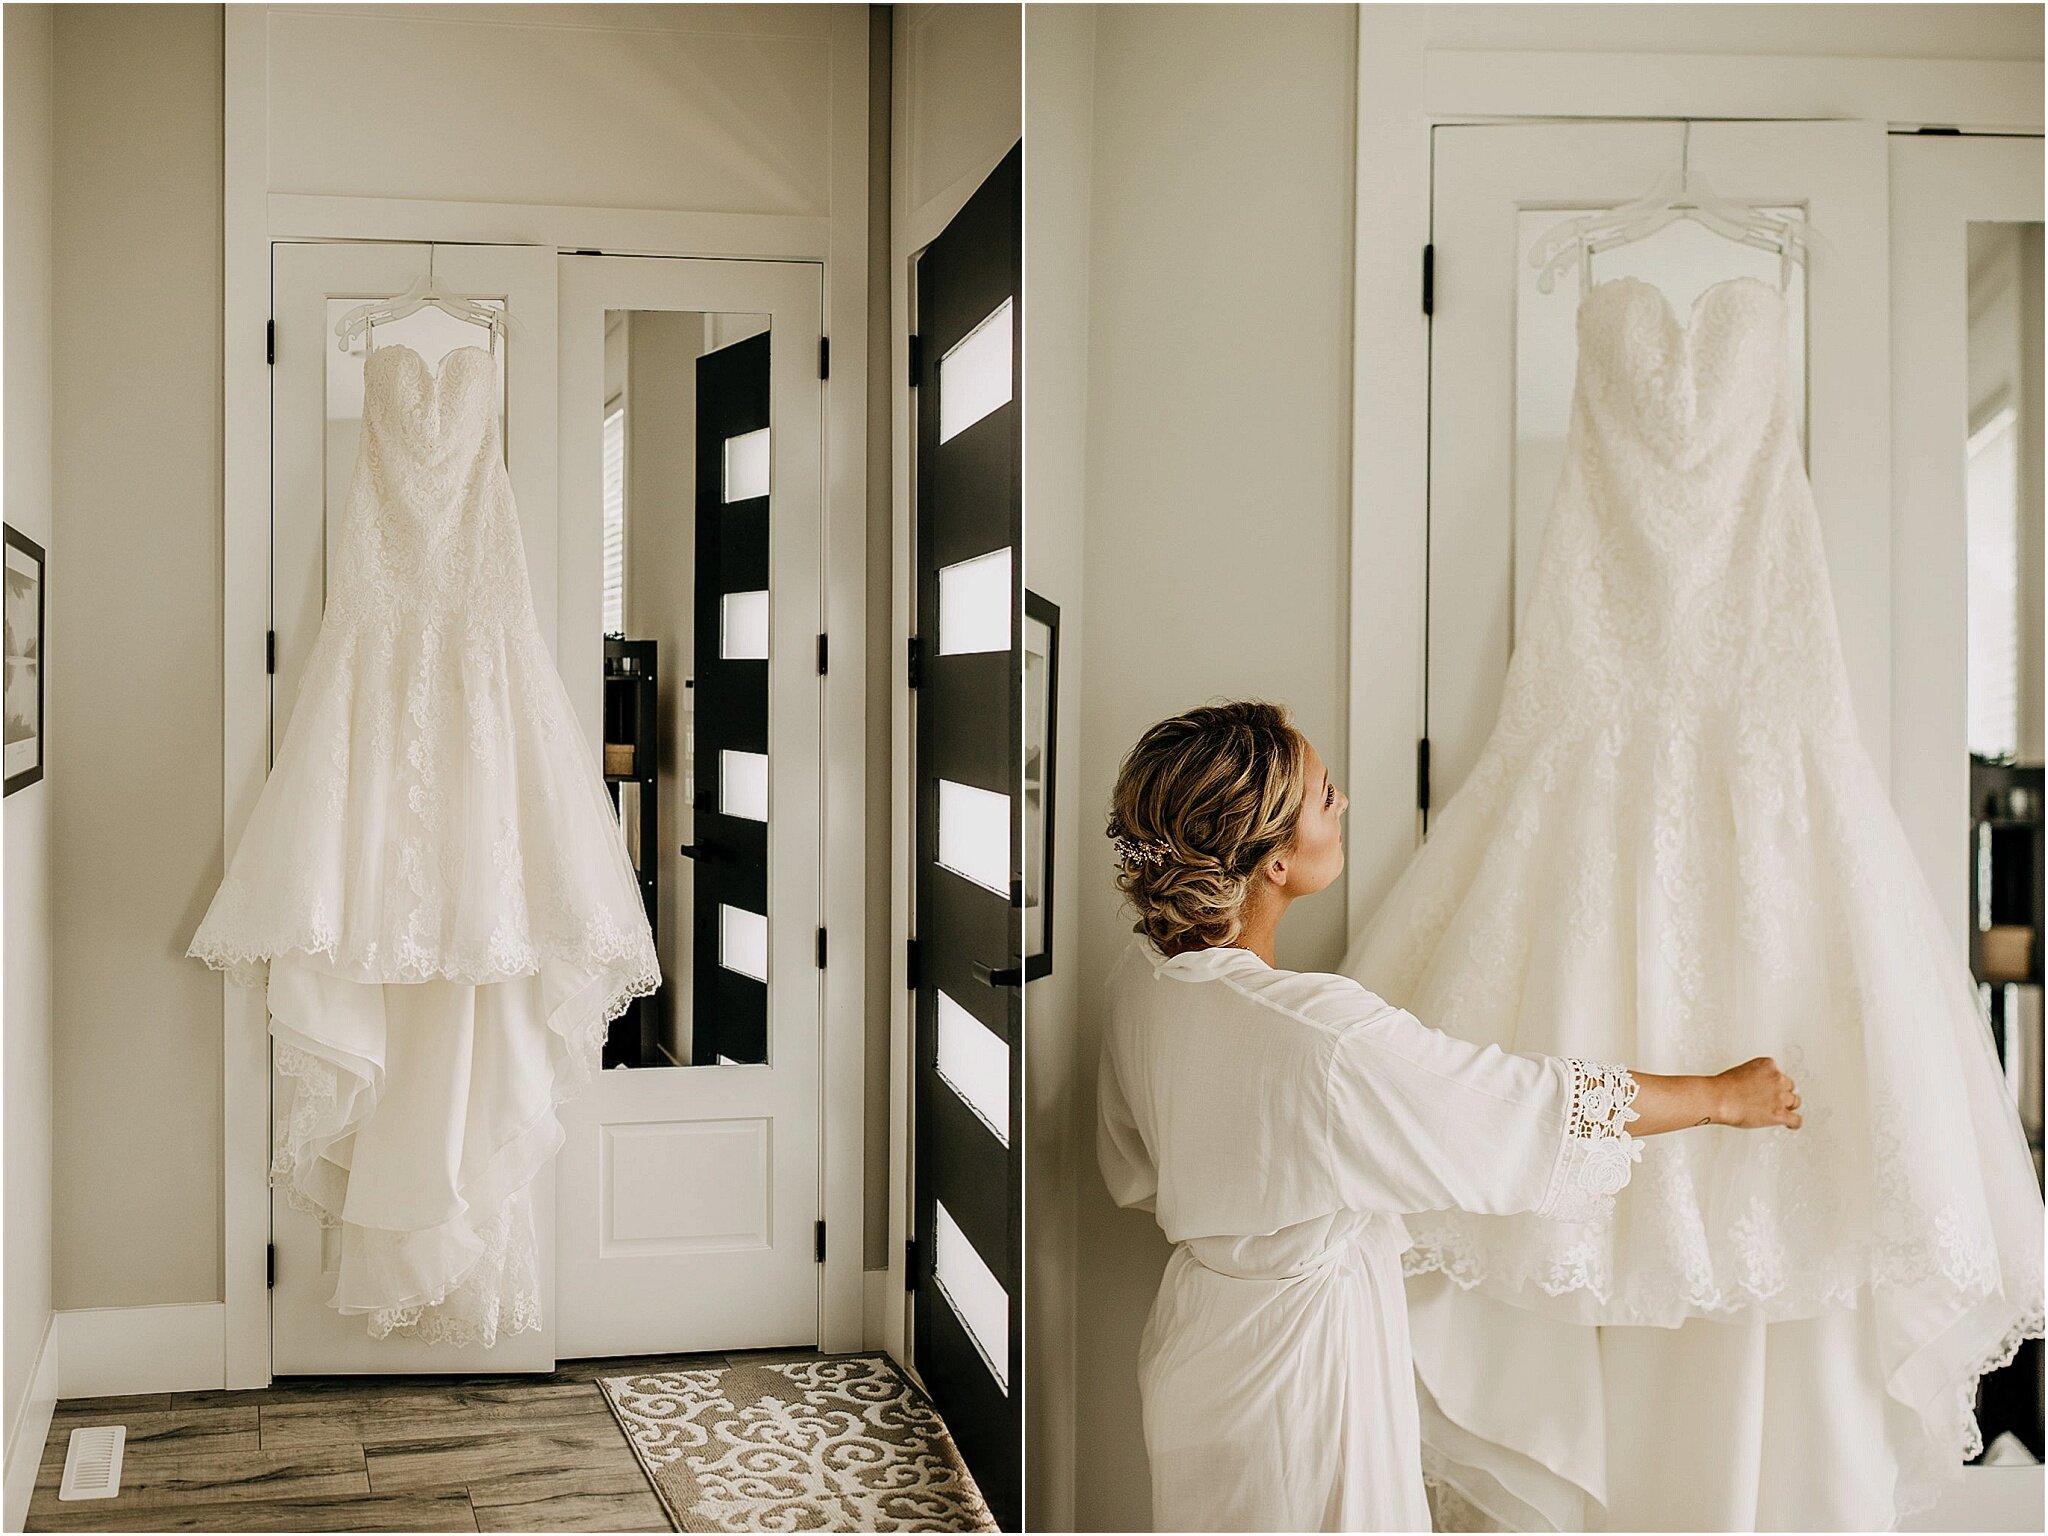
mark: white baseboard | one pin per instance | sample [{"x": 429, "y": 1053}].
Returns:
[
  {"x": 1987, "y": 1499},
  {"x": 120, "y": 1351},
  {"x": 32, "y": 1429}
]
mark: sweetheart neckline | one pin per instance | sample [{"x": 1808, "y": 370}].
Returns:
[
  {"x": 439, "y": 370},
  {"x": 1689, "y": 323}
]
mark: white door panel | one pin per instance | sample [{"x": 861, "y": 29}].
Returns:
[{"x": 1502, "y": 360}]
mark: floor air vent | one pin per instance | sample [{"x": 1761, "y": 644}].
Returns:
[{"x": 92, "y": 1462}]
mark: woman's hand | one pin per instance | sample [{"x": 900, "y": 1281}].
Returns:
[
  {"x": 1749, "y": 1097},
  {"x": 1757, "y": 1094}
]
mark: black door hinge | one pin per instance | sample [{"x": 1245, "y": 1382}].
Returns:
[
  {"x": 270, "y": 341},
  {"x": 821, "y": 1242},
  {"x": 824, "y": 357},
  {"x": 821, "y": 656},
  {"x": 821, "y": 949},
  {"x": 1422, "y": 774},
  {"x": 910, "y": 964},
  {"x": 270, "y": 651},
  {"x": 1429, "y": 279},
  {"x": 916, "y": 358},
  {"x": 914, "y": 679},
  {"x": 910, "y": 1264},
  {"x": 270, "y": 1265}
]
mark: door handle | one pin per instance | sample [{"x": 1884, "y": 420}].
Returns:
[{"x": 1009, "y": 976}]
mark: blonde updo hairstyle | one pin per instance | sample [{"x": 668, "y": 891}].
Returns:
[{"x": 1215, "y": 793}]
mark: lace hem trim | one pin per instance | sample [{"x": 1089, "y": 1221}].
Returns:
[
  {"x": 250, "y": 966},
  {"x": 1594, "y": 1162},
  {"x": 1970, "y": 1435}
]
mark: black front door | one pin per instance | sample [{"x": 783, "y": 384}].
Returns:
[
  {"x": 968, "y": 969},
  {"x": 729, "y": 907}
]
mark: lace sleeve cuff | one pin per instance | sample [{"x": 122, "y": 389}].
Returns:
[{"x": 1594, "y": 1160}]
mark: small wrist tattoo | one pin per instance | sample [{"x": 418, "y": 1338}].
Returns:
[{"x": 1704, "y": 1120}]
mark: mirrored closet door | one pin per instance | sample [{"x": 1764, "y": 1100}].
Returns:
[{"x": 689, "y": 599}]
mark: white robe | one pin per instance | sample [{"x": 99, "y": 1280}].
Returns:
[{"x": 1278, "y": 1123}]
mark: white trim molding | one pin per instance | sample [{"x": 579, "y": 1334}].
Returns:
[
  {"x": 1976, "y": 94},
  {"x": 1939, "y": 186},
  {"x": 122, "y": 1351},
  {"x": 32, "y": 1428}
]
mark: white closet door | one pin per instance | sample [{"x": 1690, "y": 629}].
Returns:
[
  {"x": 1502, "y": 359},
  {"x": 317, "y": 397},
  {"x": 689, "y": 1200}
]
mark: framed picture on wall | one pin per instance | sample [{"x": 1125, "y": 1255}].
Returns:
[
  {"x": 1041, "y": 695},
  {"x": 24, "y": 685}
]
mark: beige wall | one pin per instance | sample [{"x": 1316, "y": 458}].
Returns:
[
  {"x": 28, "y": 53},
  {"x": 1059, "y": 130},
  {"x": 1215, "y": 533},
  {"x": 135, "y": 624}
]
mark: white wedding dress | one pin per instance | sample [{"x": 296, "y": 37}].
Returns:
[
  {"x": 433, "y": 880},
  {"x": 1674, "y": 852}
]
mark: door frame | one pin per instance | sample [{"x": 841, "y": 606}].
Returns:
[
  {"x": 919, "y": 211},
  {"x": 1939, "y": 186},
  {"x": 1406, "y": 88},
  {"x": 254, "y": 214},
  {"x": 790, "y": 294}
]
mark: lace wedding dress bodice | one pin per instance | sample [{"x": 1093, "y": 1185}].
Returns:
[
  {"x": 429, "y": 813},
  {"x": 1674, "y": 851},
  {"x": 432, "y": 883}
]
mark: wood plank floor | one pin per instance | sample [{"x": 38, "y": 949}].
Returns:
[{"x": 373, "y": 1453}]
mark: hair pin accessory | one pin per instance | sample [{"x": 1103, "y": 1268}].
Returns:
[{"x": 1132, "y": 852}]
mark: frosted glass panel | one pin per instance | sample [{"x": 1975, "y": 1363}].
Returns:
[
  {"x": 743, "y": 636},
  {"x": 974, "y": 834},
  {"x": 974, "y": 377},
  {"x": 975, "y": 1064},
  {"x": 976, "y": 1295},
  {"x": 743, "y": 784},
  {"x": 746, "y": 466},
  {"x": 743, "y": 941},
  {"x": 974, "y": 604}
]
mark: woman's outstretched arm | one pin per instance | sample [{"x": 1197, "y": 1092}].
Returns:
[{"x": 1749, "y": 1097}]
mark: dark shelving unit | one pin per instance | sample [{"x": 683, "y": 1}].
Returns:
[
  {"x": 630, "y": 758},
  {"x": 2005, "y": 894}
]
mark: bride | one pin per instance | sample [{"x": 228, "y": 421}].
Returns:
[{"x": 1279, "y": 1123}]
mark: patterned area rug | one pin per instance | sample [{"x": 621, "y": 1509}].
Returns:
[{"x": 841, "y": 1443}]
